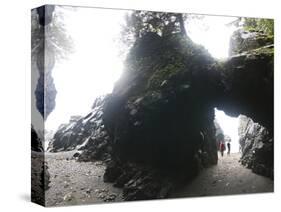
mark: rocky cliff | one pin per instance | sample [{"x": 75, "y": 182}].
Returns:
[
  {"x": 84, "y": 133},
  {"x": 163, "y": 104},
  {"x": 247, "y": 80},
  {"x": 248, "y": 89},
  {"x": 157, "y": 126},
  {"x": 160, "y": 116},
  {"x": 247, "y": 76},
  {"x": 256, "y": 146},
  {"x": 161, "y": 111}
]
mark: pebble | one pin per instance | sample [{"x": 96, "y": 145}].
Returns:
[
  {"x": 68, "y": 197},
  {"x": 74, "y": 182}
]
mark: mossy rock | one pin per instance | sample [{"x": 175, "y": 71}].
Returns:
[
  {"x": 243, "y": 41},
  {"x": 162, "y": 76}
]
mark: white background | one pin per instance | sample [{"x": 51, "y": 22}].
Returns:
[{"x": 15, "y": 105}]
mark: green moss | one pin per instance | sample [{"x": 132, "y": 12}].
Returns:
[
  {"x": 165, "y": 63},
  {"x": 163, "y": 74},
  {"x": 268, "y": 50}
]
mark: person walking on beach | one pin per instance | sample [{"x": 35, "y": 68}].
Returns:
[
  {"x": 222, "y": 148},
  {"x": 228, "y": 147}
]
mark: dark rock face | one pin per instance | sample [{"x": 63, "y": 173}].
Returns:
[
  {"x": 40, "y": 176},
  {"x": 157, "y": 107},
  {"x": 160, "y": 114},
  {"x": 67, "y": 136},
  {"x": 139, "y": 182},
  {"x": 146, "y": 185},
  {"x": 86, "y": 134},
  {"x": 36, "y": 143},
  {"x": 219, "y": 133},
  {"x": 257, "y": 147},
  {"x": 247, "y": 78},
  {"x": 248, "y": 86}
]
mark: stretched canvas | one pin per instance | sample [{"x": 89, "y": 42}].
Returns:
[{"x": 141, "y": 105}]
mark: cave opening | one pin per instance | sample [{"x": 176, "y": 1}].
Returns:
[{"x": 227, "y": 130}]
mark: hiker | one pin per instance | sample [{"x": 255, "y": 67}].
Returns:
[
  {"x": 222, "y": 148},
  {"x": 228, "y": 147}
]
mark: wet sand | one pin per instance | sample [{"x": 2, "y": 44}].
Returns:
[
  {"x": 74, "y": 182},
  {"x": 227, "y": 178}
]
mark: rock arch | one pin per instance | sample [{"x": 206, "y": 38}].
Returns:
[{"x": 164, "y": 101}]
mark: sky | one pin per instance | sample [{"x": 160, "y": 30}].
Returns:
[
  {"x": 212, "y": 33},
  {"x": 93, "y": 67},
  {"x": 95, "y": 64},
  {"x": 229, "y": 126}
]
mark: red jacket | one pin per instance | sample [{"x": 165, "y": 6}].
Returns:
[{"x": 222, "y": 146}]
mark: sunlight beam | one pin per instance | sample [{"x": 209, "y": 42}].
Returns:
[{"x": 229, "y": 126}]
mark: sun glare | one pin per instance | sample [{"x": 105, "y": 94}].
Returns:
[
  {"x": 94, "y": 66},
  {"x": 229, "y": 126},
  {"x": 96, "y": 63},
  {"x": 213, "y": 32}
]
